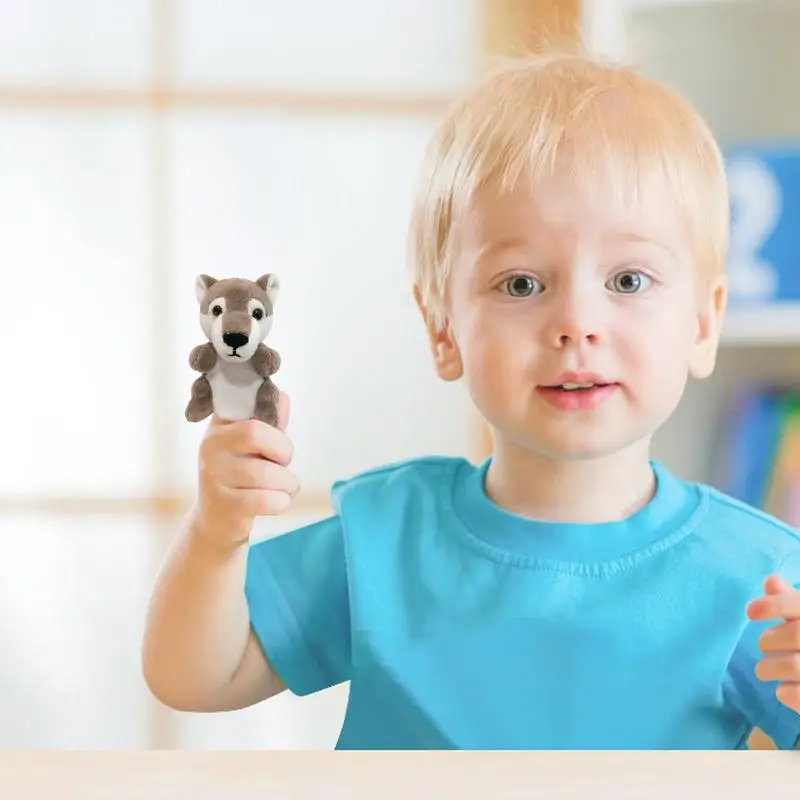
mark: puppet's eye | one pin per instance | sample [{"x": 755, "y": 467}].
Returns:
[
  {"x": 257, "y": 313},
  {"x": 216, "y": 311}
]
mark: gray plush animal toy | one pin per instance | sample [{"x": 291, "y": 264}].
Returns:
[{"x": 236, "y": 367}]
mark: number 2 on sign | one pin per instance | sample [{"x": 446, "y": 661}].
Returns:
[{"x": 756, "y": 209}]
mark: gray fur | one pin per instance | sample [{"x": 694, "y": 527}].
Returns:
[{"x": 236, "y": 367}]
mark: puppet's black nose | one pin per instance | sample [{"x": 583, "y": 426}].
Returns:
[{"x": 235, "y": 340}]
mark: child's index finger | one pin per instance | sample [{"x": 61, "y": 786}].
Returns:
[
  {"x": 774, "y": 584},
  {"x": 779, "y": 605}
]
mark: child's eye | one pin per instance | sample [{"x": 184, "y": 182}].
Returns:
[
  {"x": 521, "y": 286},
  {"x": 629, "y": 282}
]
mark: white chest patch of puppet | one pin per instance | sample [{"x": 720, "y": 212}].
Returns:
[{"x": 234, "y": 388}]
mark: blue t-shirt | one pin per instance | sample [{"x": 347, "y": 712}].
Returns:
[{"x": 462, "y": 626}]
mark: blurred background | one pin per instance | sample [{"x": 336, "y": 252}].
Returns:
[{"x": 145, "y": 141}]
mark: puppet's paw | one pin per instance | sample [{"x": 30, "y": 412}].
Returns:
[
  {"x": 201, "y": 403},
  {"x": 270, "y": 416},
  {"x": 197, "y": 412},
  {"x": 202, "y": 358},
  {"x": 266, "y": 362},
  {"x": 267, "y": 403}
]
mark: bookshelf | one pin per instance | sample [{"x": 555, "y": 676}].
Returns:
[{"x": 778, "y": 326}]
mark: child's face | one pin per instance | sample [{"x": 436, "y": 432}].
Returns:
[{"x": 552, "y": 289}]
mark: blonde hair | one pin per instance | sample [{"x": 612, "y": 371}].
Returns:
[{"x": 613, "y": 129}]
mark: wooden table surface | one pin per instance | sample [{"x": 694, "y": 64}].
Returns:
[{"x": 196, "y": 775}]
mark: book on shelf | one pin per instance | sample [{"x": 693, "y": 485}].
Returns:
[{"x": 758, "y": 453}]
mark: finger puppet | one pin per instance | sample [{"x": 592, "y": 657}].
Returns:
[{"x": 235, "y": 365}]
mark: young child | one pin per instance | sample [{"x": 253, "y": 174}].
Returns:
[{"x": 568, "y": 244}]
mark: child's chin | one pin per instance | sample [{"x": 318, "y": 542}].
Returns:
[{"x": 581, "y": 449}]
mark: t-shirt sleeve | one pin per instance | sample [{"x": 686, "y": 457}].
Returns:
[
  {"x": 297, "y": 595},
  {"x": 755, "y": 698}
]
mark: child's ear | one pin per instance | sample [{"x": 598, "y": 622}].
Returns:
[
  {"x": 710, "y": 318},
  {"x": 446, "y": 356}
]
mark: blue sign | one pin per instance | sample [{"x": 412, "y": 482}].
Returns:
[{"x": 764, "y": 257}]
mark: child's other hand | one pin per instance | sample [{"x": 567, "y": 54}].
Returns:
[
  {"x": 781, "y": 643},
  {"x": 243, "y": 473}
]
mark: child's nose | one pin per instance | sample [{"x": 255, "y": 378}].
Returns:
[
  {"x": 567, "y": 339},
  {"x": 573, "y": 322}
]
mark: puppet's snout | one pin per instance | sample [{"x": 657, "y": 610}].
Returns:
[
  {"x": 235, "y": 340},
  {"x": 236, "y": 328}
]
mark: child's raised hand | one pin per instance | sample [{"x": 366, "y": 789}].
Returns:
[
  {"x": 243, "y": 473},
  {"x": 780, "y": 643}
]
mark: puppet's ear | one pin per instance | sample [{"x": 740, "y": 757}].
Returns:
[
  {"x": 202, "y": 285},
  {"x": 270, "y": 284}
]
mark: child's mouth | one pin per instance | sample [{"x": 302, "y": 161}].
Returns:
[
  {"x": 577, "y": 387},
  {"x": 577, "y": 396}
]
